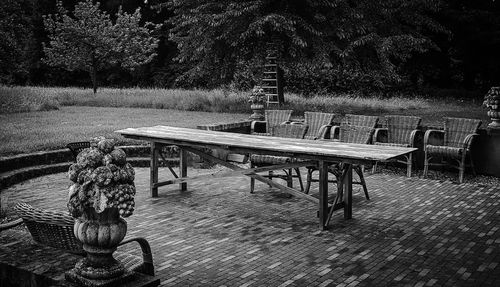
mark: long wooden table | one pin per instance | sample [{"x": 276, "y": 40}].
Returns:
[{"x": 309, "y": 153}]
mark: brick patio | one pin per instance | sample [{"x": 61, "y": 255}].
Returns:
[{"x": 413, "y": 232}]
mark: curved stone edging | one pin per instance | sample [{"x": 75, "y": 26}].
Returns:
[{"x": 18, "y": 168}]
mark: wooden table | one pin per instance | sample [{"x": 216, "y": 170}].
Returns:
[{"x": 310, "y": 153}]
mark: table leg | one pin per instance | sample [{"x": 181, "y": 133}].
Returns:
[
  {"x": 323, "y": 194},
  {"x": 348, "y": 192},
  {"x": 153, "y": 169},
  {"x": 183, "y": 168}
]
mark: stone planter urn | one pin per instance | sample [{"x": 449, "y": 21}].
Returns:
[
  {"x": 257, "y": 102},
  {"x": 102, "y": 194}
]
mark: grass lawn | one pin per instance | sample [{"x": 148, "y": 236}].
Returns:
[
  {"x": 39, "y": 118},
  {"x": 36, "y": 131}
]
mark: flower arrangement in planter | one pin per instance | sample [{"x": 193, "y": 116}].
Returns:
[
  {"x": 257, "y": 100},
  {"x": 492, "y": 102},
  {"x": 101, "y": 195}
]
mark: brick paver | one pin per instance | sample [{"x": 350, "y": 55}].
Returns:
[{"x": 413, "y": 232}]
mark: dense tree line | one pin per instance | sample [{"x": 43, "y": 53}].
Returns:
[{"x": 323, "y": 45}]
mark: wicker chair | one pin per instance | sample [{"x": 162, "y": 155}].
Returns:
[
  {"x": 273, "y": 118},
  {"x": 457, "y": 138},
  {"x": 348, "y": 134},
  {"x": 77, "y": 147},
  {"x": 400, "y": 131},
  {"x": 55, "y": 229},
  {"x": 258, "y": 160},
  {"x": 319, "y": 124},
  {"x": 355, "y": 120}
]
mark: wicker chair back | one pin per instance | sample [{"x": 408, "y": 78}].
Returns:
[
  {"x": 355, "y": 134},
  {"x": 77, "y": 147},
  {"x": 361, "y": 120},
  {"x": 289, "y": 131},
  {"x": 51, "y": 228},
  {"x": 315, "y": 120},
  {"x": 399, "y": 128},
  {"x": 457, "y": 129},
  {"x": 276, "y": 117}
]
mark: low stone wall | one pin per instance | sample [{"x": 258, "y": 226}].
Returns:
[{"x": 14, "y": 169}]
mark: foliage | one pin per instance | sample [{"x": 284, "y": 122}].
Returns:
[
  {"x": 377, "y": 46},
  {"x": 257, "y": 96},
  {"x": 365, "y": 36},
  {"x": 15, "y": 32},
  {"x": 91, "y": 41}
]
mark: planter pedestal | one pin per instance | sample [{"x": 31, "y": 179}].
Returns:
[
  {"x": 258, "y": 112},
  {"x": 100, "y": 234}
]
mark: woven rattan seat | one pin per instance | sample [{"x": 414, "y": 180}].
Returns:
[
  {"x": 77, "y": 147},
  {"x": 258, "y": 160},
  {"x": 273, "y": 118},
  {"x": 348, "y": 134},
  {"x": 455, "y": 144},
  {"x": 401, "y": 131},
  {"x": 55, "y": 229}
]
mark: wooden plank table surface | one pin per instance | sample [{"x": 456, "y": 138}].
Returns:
[{"x": 310, "y": 152}]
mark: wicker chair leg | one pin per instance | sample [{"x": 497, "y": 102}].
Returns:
[
  {"x": 461, "y": 172},
  {"x": 252, "y": 180},
  {"x": 289, "y": 178},
  {"x": 409, "y": 163},
  {"x": 309, "y": 180},
  {"x": 426, "y": 165},
  {"x": 300, "y": 179},
  {"x": 359, "y": 171}
]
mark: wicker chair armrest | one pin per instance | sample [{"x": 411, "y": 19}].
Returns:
[
  {"x": 380, "y": 135},
  {"x": 414, "y": 138},
  {"x": 258, "y": 127},
  {"x": 147, "y": 256},
  {"x": 429, "y": 133},
  {"x": 469, "y": 139},
  {"x": 334, "y": 132},
  {"x": 11, "y": 224},
  {"x": 324, "y": 132}
]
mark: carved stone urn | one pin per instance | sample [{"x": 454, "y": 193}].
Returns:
[
  {"x": 102, "y": 194},
  {"x": 100, "y": 234},
  {"x": 492, "y": 102}
]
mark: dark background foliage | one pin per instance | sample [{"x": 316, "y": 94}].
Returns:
[{"x": 369, "y": 46}]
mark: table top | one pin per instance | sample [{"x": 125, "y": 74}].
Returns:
[{"x": 300, "y": 148}]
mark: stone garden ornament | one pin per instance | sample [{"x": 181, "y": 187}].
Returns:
[
  {"x": 257, "y": 101},
  {"x": 492, "y": 102},
  {"x": 102, "y": 194}
]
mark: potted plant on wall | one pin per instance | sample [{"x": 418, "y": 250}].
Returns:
[
  {"x": 257, "y": 101},
  {"x": 492, "y": 102},
  {"x": 102, "y": 194}
]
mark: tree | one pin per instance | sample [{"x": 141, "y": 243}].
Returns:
[
  {"x": 89, "y": 40},
  {"x": 216, "y": 38},
  {"x": 15, "y": 32}
]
